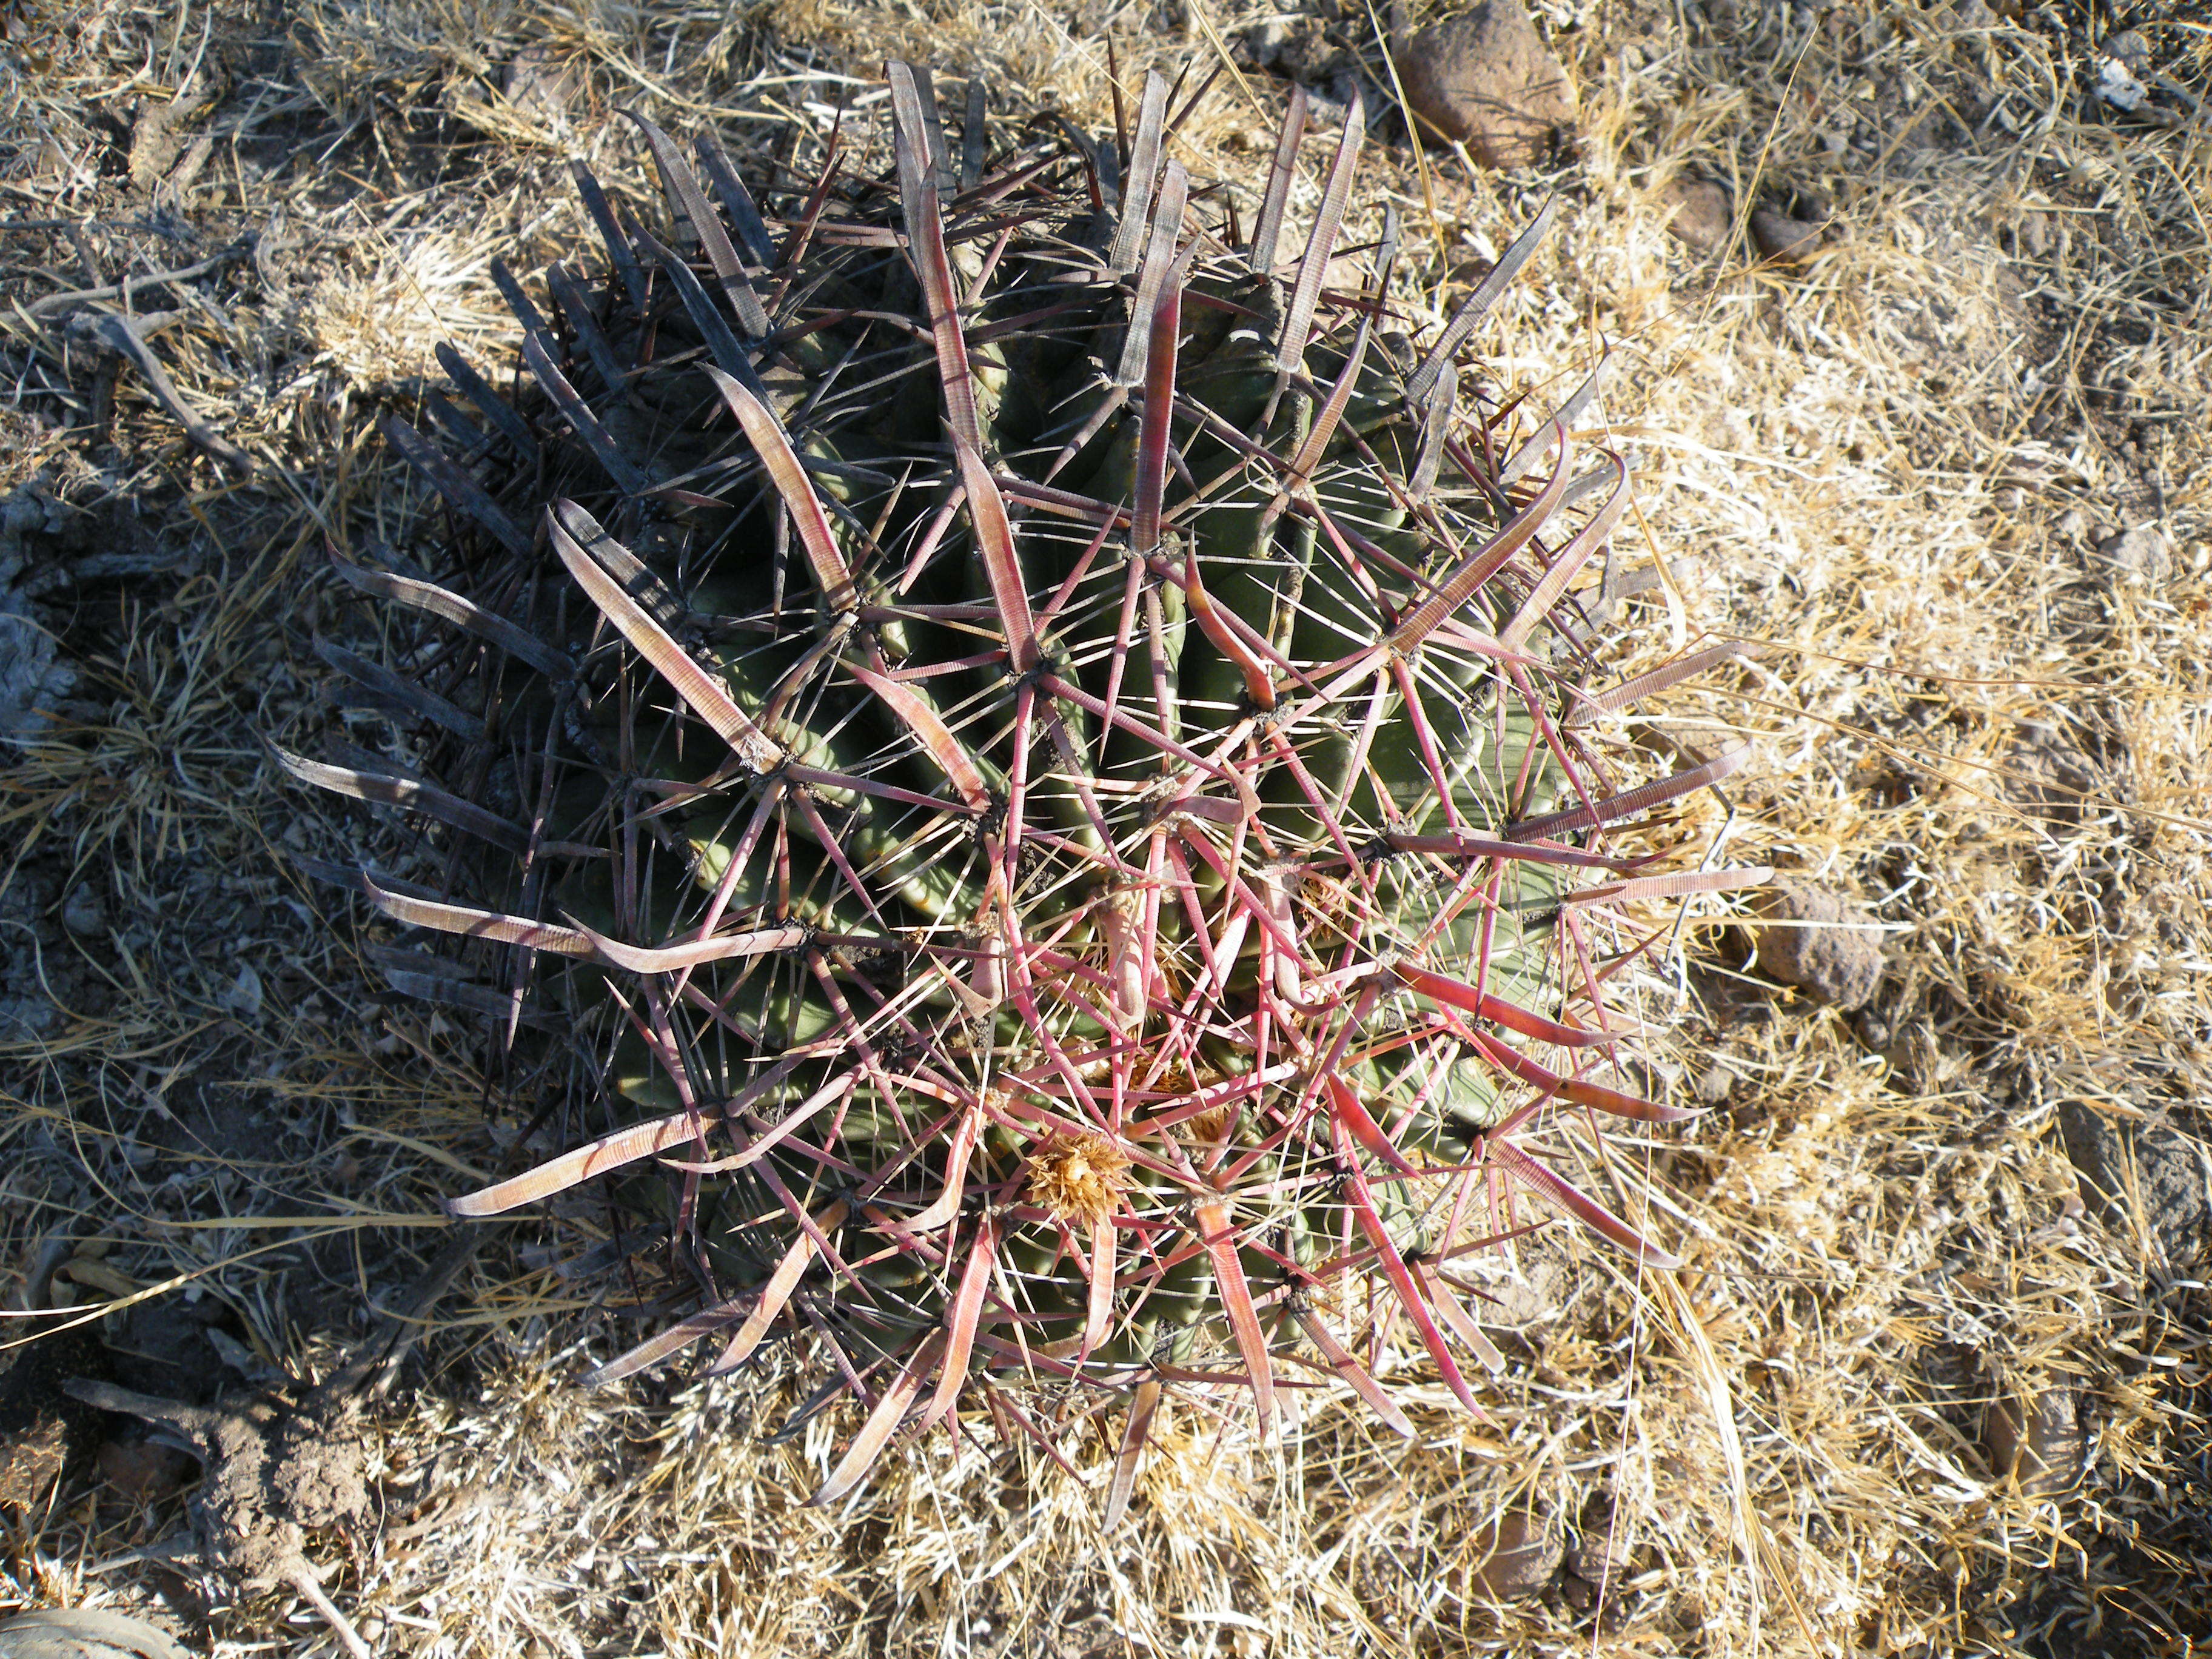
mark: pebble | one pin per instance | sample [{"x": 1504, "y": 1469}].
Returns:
[
  {"x": 82, "y": 913},
  {"x": 2143, "y": 554},
  {"x": 1487, "y": 79},
  {"x": 243, "y": 996},
  {"x": 1784, "y": 239},
  {"x": 144, "y": 1471},
  {"x": 540, "y": 83},
  {"x": 2141, "y": 1179},
  {"x": 1523, "y": 1555},
  {"x": 2039, "y": 1440},
  {"x": 1293, "y": 46},
  {"x": 1602, "y": 1551},
  {"x": 1840, "y": 965},
  {"x": 1703, "y": 215}
]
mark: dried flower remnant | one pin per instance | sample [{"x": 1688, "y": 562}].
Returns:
[{"x": 1078, "y": 1178}]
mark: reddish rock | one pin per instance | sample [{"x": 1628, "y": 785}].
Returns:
[
  {"x": 1791, "y": 226},
  {"x": 1818, "y": 942},
  {"x": 144, "y": 1470},
  {"x": 1703, "y": 215},
  {"x": 1523, "y": 1555},
  {"x": 1487, "y": 79}
]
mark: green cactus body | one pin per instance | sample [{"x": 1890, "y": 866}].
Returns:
[{"x": 1048, "y": 803}]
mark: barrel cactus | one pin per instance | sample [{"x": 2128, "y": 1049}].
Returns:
[{"x": 1036, "y": 750}]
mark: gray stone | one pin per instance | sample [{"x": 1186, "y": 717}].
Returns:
[
  {"x": 2132, "y": 47},
  {"x": 27, "y": 938},
  {"x": 82, "y": 913},
  {"x": 2154, "y": 1177},
  {"x": 244, "y": 996},
  {"x": 1296, "y": 48},
  {"x": 2049, "y": 778},
  {"x": 2118, "y": 86},
  {"x": 2142, "y": 554},
  {"x": 1602, "y": 1549},
  {"x": 1817, "y": 941},
  {"x": 1487, "y": 79},
  {"x": 1784, "y": 239},
  {"x": 541, "y": 83},
  {"x": 33, "y": 679}
]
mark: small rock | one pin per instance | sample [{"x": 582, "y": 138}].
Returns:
[
  {"x": 1329, "y": 101},
  {"x": 2143, "y": 554},
  {"x": 1487, "y": 79},
  {"x": 539, "y": 82},
  {"x": 243, "y": 998},
  {"x": 1523, "y": 1555},
  {"x": 144, "y": 1471},
  {"x": 1294, "y": 47},
  {"x": 82, "y": 913},
  {"x": 34, "y": 677},
  {"x": 1264, "y": 41},
  {"x": 1875, "y": 1028},
  {"x": 2117, "y": 85},
  {"x": 2151, "y": 1176},
  {"x": 2039, "y": 1442},
  {"x": 2132, "y": 47},
  {"x": 1526, "y": 1300},
  {"x": 1603, "y": 1548},
  {"x": 26, "y": 1019},
  {"x": 85, "y": 1633},
  {"x": 1814, "y": 946},
  {"x": 1786, "y": 240},
  {"x": 1704, "y": 216},
  {"x": 2050, "y": 779}
]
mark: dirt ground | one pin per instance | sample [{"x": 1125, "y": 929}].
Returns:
[{"x": 1936, "y": 1379}]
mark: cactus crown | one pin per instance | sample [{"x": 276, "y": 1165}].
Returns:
[{"x": 1040, "y": 747}]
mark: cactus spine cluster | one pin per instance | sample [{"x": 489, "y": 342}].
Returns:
[{"x": 1037, "y": 748}]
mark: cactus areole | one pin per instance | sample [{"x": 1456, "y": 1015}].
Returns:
[{"x": 1034, "y": 751}]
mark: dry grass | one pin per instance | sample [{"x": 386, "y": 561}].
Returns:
[{"x": 1890, "y": 467}]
